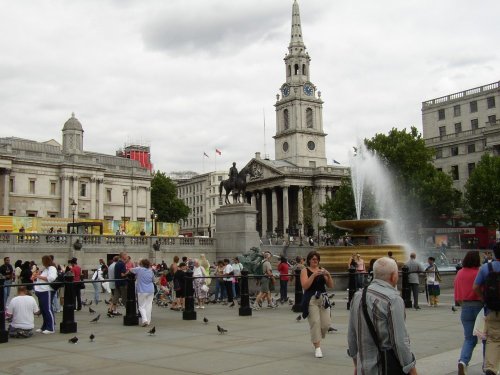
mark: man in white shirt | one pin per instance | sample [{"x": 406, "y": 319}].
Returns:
[
  {"x": 228, "y": 280},
  {"x": 22, "y": 309}
]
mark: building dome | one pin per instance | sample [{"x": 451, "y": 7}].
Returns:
[{"x": 72, "y": 124}]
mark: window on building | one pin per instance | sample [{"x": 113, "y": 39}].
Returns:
[
  {"x": 52, "y": 188},
  {"x": 454, "y": 150},
  {"x": 12, "y": 212},
  {"x": 442, "y": 131},
  {"x": 473, "y": 106},
  {"x": 454, "y": 172},
  {"x": 458, "y": 127},
  {"x": 213, "y": 202},
  {"x": 492, "y": 119},
  {"x": 474, "y": 124},
  {"x": 108, "y": 195},
  {"x": 441, "y": 115},
  {"x": 285, "y": 119},
  {"x": 141, "y": 219},
  {"x": 32, "y": 186},
  {"x": 219, "y": 178},
  {"x": 439, "y": 153},
  {"x": 220, "y": 201},
  {"x": 471, "y": 148},
  {"x": 470, "y": 167},
  {"x": 108, "y": 218},
  {"x": 491, "y": 102},
  {"x": 309, "y": 117},
  {"x": 11, "y": 185},
  {"x": 31, "y": 213},
  {"x": 456, "y": 110},
  {"x": 296, "y": 69},
  {"x": 83, "y": 189},
  {"x": 289, "y": 70}
]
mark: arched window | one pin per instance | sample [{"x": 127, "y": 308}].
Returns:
[
  {"x": 289, "y": 70},
  {"x": 304, "y": 69},
  {"x": 309, "y": 117},
  {"x": 285, "y": 119},
  {"x": 296, "y": 69}
]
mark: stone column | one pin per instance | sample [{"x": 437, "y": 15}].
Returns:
[
  {"x": 93, "y": 200},
  {"x": 253, "y": 200},
  {"x": 300, "y": 205},
  {"x": 6, "y": 191},
  {"x": 315, "y": 209},
  {"x": 322, "y": 201},
  {"x": 100, "y": 210},
  {"x": 274, "y": 204},
  {"x": 286, "y": 216},
  {"x": 75, "y": 189},
  {"x": 134, "y": 203},
  {"x": 148, "y": 201},
  {"x": 64, "y": 196},
  {"x": 263, "y": 201}
]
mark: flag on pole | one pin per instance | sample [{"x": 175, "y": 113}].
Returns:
[
  {"x": 205, "y": 154},
  {"x": 217, "y": 151}
]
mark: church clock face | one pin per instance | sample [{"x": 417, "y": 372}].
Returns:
[
  {"x": 285, "y": 146},
  {"x": 308, "y": 89},
  {"x": 285, "y": 90},
  {"x": 311, "y": 145}
]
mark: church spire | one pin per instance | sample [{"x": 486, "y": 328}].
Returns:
[{"x": 296, "y": 34}]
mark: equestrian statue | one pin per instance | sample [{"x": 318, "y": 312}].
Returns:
[{"x": 236, "y": 183}]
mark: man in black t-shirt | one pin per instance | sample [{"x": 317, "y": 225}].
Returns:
[{"x": 7, "y": 271}]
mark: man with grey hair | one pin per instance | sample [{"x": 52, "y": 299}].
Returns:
[
  {"x": 414, "y": 268},
  {"x": 386, "y": 311}
]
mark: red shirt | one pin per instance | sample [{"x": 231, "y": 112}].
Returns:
[
  {"x": 463, "y": 285},
  {"x": 77, "y": 271},
  {"x": 283, "y": 270}
]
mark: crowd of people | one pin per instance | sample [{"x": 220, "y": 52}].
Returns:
[{"x": 377, "y": 335}]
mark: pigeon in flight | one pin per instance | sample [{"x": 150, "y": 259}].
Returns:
[
  {"x": 95, "y": 319},
  {"x": 152, "y": 331},
  {"x": 221, "y": 330},
  {"x": 92, "y": 337},
  {"x": 73, "y": 340},
  {"x": 205, "y": 320}
]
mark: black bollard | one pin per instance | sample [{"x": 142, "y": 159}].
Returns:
[
  {"x": 131, "y": 318},
  {"x": 352, "y": 285},
  {"x": 405, "y": 288},
  {"x": 188, "y": 313},
  {"x": 297, "y": 307},
  {"x": 4, "y": 335},
  {"x": 68, "y": 324},
  {"x": 245, "y": 309}
]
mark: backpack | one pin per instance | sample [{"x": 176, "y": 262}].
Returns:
[
  {"x": 58, "y": 282},
  {"x": 492, "y": 289}
]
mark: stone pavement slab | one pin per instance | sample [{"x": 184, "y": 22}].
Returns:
[{"x": 269, "y": 342}]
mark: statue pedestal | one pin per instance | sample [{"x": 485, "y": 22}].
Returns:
[{"x": 235, "y": 230}]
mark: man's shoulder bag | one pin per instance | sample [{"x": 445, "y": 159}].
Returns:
[{"x": 388, "y": 361}]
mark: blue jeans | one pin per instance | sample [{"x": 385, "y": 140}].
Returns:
[
  {"x": 6, "y": 291},
  {"x": 97, "y": 292},
  {"x": 220, "y": 289},
  {"x": 468, "y": 318}
]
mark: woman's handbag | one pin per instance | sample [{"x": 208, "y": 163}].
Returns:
[
  {"x": 387, "y": 358},
  {"x": 204, "y": 288}
]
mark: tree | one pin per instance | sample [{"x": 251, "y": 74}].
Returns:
[
  {"x": 419, "y": 186},
  {"x": 339, "y": 207},
  {"x": 164, "y": 199},
  {"x": 482, "y": 191}
]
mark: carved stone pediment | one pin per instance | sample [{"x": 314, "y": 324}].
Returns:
[{"x": 261, "y": 171}]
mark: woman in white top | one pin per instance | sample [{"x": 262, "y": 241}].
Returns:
[
  {"x": 44, "y": 294},
  {"x": 200, "y": 289},
  {"x": 97, "y": 276}
]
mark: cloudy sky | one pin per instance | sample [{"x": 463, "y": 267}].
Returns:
[{"x": 190, "y": 76}]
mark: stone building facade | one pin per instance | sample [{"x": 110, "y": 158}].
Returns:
[
  {"x": 461, "y": 127},
  {"x": 42, "y": 179},
  {"x": 276, "y": 188}
]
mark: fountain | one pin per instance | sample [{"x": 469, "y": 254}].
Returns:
[{"x": 365, "y": 236}]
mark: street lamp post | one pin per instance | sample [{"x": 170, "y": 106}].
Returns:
[
  {"x": 124, "y": 200},
  {"x": 152, "y": 210},
  {"x": 156, "y": 223},
  {"x": 73, "y": 209}
]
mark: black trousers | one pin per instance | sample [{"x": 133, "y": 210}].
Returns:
[
  {"x": 229, "y": 290},
  {"x": 78, "y": 296},
  {"x": 414, "y": 288}
]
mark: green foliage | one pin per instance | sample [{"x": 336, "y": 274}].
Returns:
[
  {"x": 418, "y": 184},
  {"x": 482, "y": 191},
  {"x": 164, "y": 199},
  {"x": 340, "y": 207}
]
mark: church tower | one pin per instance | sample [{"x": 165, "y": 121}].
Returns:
[{"x": 299, "y": 137}]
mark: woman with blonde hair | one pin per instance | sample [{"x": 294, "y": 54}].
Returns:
[
  {"x": 200, "y": 289},
  {"x": 145, "y": 289},
  {"x": 44, "y": 294}
]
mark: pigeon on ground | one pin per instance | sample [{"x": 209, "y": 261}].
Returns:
[
  {"x": 232, "y": 304},
  {"x": 205, "y": 320},
  {"x": 110, "y": 315},
  {"x": 92, "y": 311},
  {"x": 299, "y": 318},
  {"x": 90, "y": 303},
  {"x": 95, "y": 319},
  {"x": 290, "y": 302},
  {"x": 331, "y": 296},
  {"x": 453, "y": 309},
  {"x": 106, "y": 301},
  {"x": 84, "y": 303},
  {"x": 73, "y": 340},
  {"x": 152, "y": 331},
  {"x": 92, "y": 337},
  {"x": 221, "y": 330},
  {"x": 331, "y": 329}
]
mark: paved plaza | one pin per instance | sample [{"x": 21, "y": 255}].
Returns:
[{"x": 269, "y": 342}]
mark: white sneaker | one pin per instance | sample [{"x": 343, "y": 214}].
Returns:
[
  {"x": 39, "y": 330},
  {"x": 47, "y": 332},
  {"x": 318, "y": 353}
]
